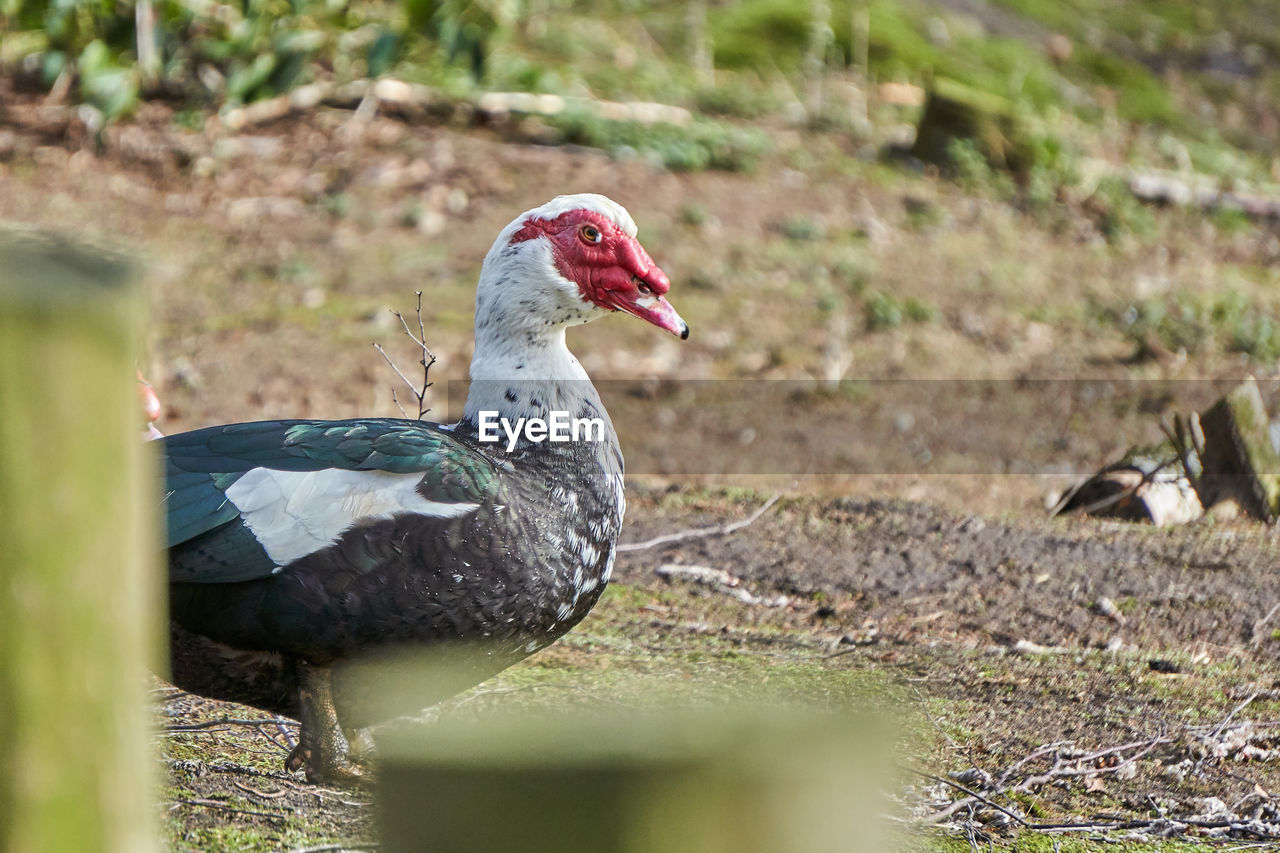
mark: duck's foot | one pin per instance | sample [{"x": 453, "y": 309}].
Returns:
[
  {"x": 330, "y": 771},
  {"x": 323, "y": 751}
]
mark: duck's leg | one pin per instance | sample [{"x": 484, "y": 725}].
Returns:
[{"x": 322, "y": 746}]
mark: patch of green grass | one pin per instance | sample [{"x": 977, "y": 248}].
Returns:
[
  {"x": 1225, "y": 320},
  {"x": 736, "y": 97},
  {"x": 203, "y": 838},
  {"x": 1140, "y": 96},
  {"x": 694, "y": 214},
  {"x": 1116, "y": 212},
  {"x": 885, "y": 311},
  {"x": 1232, "y": 220},
  {"x": 801, "y": 228},
  {"x": 699, "y": 145},
  {"x": 736, "y": 31}
]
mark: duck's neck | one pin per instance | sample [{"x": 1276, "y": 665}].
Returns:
[
  {"x": 521, "y": 366},
  {"x": 529, "y": 374}
]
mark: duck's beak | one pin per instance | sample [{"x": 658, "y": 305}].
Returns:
[{"x": 654, "y": 309}]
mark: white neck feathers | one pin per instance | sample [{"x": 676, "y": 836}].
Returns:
[{"x": 523, "y": 306}]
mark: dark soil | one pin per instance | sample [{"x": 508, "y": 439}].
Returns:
[{"x": 923, "y": 574}]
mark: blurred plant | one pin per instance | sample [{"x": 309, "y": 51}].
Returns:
[
  {"x": 736, "y": 98},
  {"x": 694, "y": 214},
  {"x": 885, "y": 311},
  {"x": 1227, "y": 320},
  {"x": 198, "y": 49},
  {"x": 801, "y": 228},
  {"x": 105, "y": 84},
  {"x": 690, "y": 148},
  {"x": 465, "y": 29},
  {"x": 1116, "y": 212}
]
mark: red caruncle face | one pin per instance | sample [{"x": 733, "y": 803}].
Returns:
[{"x": 611, "y": 268}]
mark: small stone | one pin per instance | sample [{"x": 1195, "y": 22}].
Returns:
[{"x": 1106, "y": 607}]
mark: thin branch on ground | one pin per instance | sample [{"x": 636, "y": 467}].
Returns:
[
  {"x": 214, "y": 804},
  {"x": 947, "y": 812},
  {"x": 1236, "y": 710},
  {"x": 1255, "y": 633},
  {"x": 264, "y": 795},
  {"x": 683, "y": 535},
  {"x": 227, "y": 721},
  {"x": 968, "y": 753},
  {"x": 1071, "y": 763},
  {"x": 321, "y": 793}
]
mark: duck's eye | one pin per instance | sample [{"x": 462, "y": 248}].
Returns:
[
  {"x": 642, "y": 288},
  {"x": 590, "y": 234}
]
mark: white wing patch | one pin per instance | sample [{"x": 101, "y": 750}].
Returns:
[{"x": 293, "y": 513}]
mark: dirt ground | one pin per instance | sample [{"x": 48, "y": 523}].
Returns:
[{"x": 1145, "y": 656}]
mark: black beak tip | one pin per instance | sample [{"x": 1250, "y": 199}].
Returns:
[{"x": 684, "y": 331}]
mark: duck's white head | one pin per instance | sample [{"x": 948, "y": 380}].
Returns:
[{"x": 567, "y": 262}]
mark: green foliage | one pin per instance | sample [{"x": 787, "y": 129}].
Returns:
[
  {"x": 1226, "y": 320},
  {"x": 110, "y": 87},
  {"x": 694, "y": 214},
  {"x": 1140, "y": 95},
  {"x": 885, "y": 311},
  {"x": 259, "y": 49},
  {"x": 693, "y": 147},
  {"x": 737, "y": 99},
  {"x": 463, "y": 28},
  {"x": 215, "y": 54},
  {"x": 801, "y": 228},
  {"x": 736, "y": 34},
  {"x": 1116, "y": 212},
  {"x": 1040, "y": 185},
  {"x": 1232, "y": 220}
]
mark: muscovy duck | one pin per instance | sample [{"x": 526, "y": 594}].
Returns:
[{"x": 297, "y": 546}]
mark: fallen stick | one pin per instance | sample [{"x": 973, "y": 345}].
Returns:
[
  {"x": 718, "y": 530},
  {"x": 213, "y": 724},
  {"x": 717, "y": 579},
  {"x": 951, "y": 809},
  {"x": 1236, "y": 710}
]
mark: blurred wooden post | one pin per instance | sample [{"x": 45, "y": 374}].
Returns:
[
  {"x": 78, "y": 592},
  {"x": 731, "y": 781},
  {"x": 1239, "y": 462}
]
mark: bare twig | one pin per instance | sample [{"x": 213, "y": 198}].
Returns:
[
  {"x": 717, "y": 579},
  {"x": 1062, "y": 768},
  {"x": 214, "y": 804},
  {"x": 947, "y": 812},
  {"x": 718, "y": 530},
  {"x": 283, "y": 727},
  {"x": 214, "y": 724},
  {"x": 968, "y": 753},
  {"x": 399, "y": 373},
  {"x": 266, "y": 795},
  {"x": 1236, "y": 710},
  {"x": 427, "y": 359},
  {"x": 1256, "y": 631}
]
